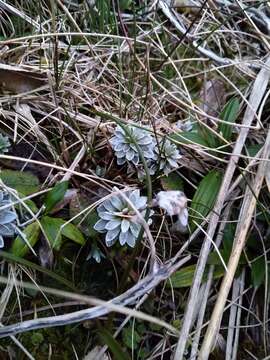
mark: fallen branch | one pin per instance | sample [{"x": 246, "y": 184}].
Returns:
[{"x": 118, "y": 304}]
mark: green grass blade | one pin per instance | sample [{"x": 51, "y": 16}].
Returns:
[
  {"x": 113, "y": 345},
  {"x": 15, "y": 259}
]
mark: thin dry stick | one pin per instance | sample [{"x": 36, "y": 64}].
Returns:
[
  {"x": 207, "y": 286},
  {"x": 238, "y": 318},
  {"x": 169, "y": 13},
  {"x": 119, "y": 303},
  {"x": 245, "y": 218},
  {"x": 232, "y": 320},
  {"x": 257, "y": 93}
]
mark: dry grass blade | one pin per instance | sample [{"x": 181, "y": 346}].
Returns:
[
  {"x": 245, "y": 218},
  {"x": 170, "y": 14},
  {"x": 257, "y": 93}
]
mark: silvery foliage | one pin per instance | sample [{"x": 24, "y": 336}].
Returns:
[
  {"x": 4, "y": 144},
  {"x": 162, "y": 157},
  {"x": 119, "y": 220},
  {"x": 166, "y": 157},
  {"x": 7, "y": 218},
  {"x": 95, "y": 254},
  {"x": 125, "y": 148}
]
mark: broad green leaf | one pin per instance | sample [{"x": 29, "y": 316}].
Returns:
[
  {"x": 29, "y": 203},
  {"x": 114, "y": 346},
  {"x": 19, "y": 246},
  {"x": 204, "y": 198},
  {"x": 71, "y": 232},
  {"x": 258, "y": 271},
  {"x": 55, "y": 232},
  {"x": 55, "y": 195},
  {"x": 229, "y": 114},
  {"x": 184, "y": 277},
  {"x": 228, "y": 236},
  {"x": 214, "y": 258},
  {"x": 172, "y": 182},
  {"x": 24, "y": 182},
  {"x": 52, "y": 274},
  {"x": 209, "y": 137},
  {"x": 189, "y": 137}
]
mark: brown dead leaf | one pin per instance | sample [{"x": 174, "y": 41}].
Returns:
[
  {"x": 212, "y": 97},
  {"x": 17, "y": 80}
]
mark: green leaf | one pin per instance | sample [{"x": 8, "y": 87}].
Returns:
[
  {"x": 125, "y": 4},
  {"x": 113, "y": 345},
  {"x": 228, "y": 114},
  {"x": 131, "y": 338},
  {"x": 204, "y": 198},
  {"x": 228, "y": 236},
  {"x": 209, "y": 137},
  {"x": 55, "y": 195},
  {"x": 55, "y": 232},
  {"x": 37, "y": 338},
  {"x": 172, "y": 182},
  {"x": 19, "y": 246},
  {"x": 184, "y": 277},
  {"x": 29, "y": 203},
  {"x": 24, "y": 182},
  {"x": 189, "y": 137},
  {"x": 258, "y": 271},
  {"x": 252, "y": 150},
  {"x": 214, "y": 258}
]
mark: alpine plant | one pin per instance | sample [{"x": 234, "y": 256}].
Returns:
[
  {"x": 7, "y": 218},
  {"x": 166, "y": 157},
  {"x": 4, "y": 144},
  {"x": 163, "y": 158},
  {"x": 119, "y": 220},
  {"x": 125, "y": 148}
]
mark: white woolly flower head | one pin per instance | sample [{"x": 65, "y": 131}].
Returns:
[
  {"x": 125, "y": 145},
  {"x": 174, "y": 202},
  {"x": 7, "y": 218},
  {"x": 118, "y": 218}
]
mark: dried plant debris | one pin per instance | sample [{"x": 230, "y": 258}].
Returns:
[{"x": 16, "y": 80}]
